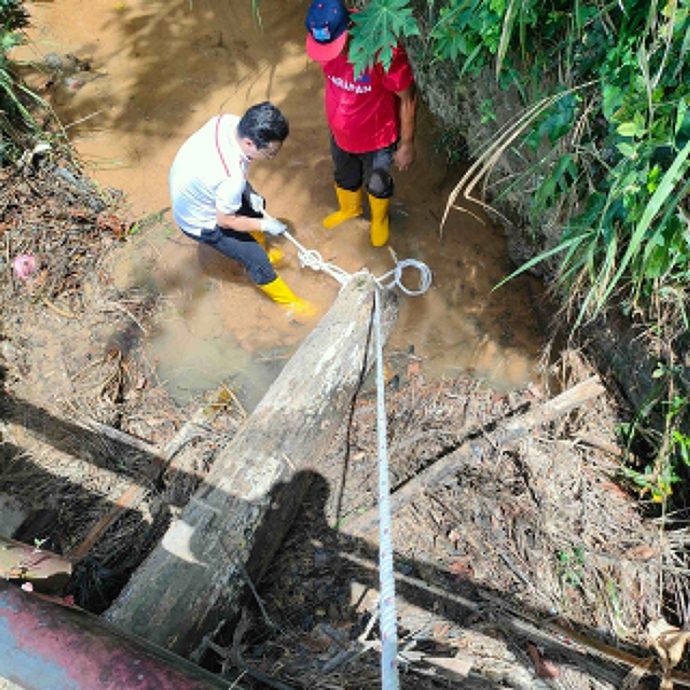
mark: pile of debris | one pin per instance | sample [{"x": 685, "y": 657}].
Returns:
[{"x": 520, "y": 560}]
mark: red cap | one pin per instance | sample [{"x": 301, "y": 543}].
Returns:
[{"x": 327, "y": 22}]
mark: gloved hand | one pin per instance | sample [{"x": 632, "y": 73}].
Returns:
[
  {"x": 257, "y": 202},
  {"x": 272, "y": 225}
]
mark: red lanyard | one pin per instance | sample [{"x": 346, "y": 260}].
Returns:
[{"x": 220, "y": 153}]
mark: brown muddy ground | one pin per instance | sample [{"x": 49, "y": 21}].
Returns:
[
  {"x": 536, "y": 533},
  {"x": 156, "y": 72}
]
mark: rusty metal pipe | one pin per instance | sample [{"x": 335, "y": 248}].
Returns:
[{"x": 48, "y": 646}]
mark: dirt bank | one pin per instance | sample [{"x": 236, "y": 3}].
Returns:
[{"x": 499, "y": 560}]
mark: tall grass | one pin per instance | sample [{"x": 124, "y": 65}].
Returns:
[{"x": 17, "y": 124}]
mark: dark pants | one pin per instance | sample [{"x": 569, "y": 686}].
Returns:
[
  {"x": 372, "y": 169},
  {"x": 241, "y": 246}
]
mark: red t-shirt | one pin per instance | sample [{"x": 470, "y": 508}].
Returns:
[{"x": 363, "y": 114}]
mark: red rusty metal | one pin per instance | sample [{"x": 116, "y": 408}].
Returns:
[{"x": 48, "y": 646}]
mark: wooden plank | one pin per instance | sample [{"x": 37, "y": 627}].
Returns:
[
  {"x": 505, "y": 432},
  {"x": 195, "y": 579}
]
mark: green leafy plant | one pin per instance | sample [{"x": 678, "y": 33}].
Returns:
[
  {"x": 617, "y": 160},
  {"x": 377, "y": 30},
  {"x": 626, "y": 179},
  {"x": 605, "y": 141},
  {"x": 571, "y": 563},
  {"x": 13, "y": 16},
  {"x": 669, "y": 439},
  {"x": 16, "y": 120},
  {"x": 488, "y": 113}
]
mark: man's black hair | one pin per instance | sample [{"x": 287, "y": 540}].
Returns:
[{"x": 263, "y": 123}]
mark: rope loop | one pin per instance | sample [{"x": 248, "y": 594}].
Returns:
[
  {"x": 397, "y": 273},
  {"x": 311, "y": 258}
]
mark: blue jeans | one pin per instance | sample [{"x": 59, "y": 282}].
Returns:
[{"x": 241, "y": 246}]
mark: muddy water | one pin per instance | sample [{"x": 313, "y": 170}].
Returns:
[{"x": 159, "y": 70}]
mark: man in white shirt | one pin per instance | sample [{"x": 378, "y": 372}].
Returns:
[{"x": 213, "y": 203}]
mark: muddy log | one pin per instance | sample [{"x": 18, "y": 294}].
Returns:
[
  {"x": 48, "y": 646},
  {"x": 225, "y": 538}
]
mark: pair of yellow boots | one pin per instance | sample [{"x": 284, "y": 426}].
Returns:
[{"x": 350, "y": 206}]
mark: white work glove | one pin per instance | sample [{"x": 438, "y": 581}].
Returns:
[
  {"x": 257, "y": 202},
  {"x": 272, "y": 226}
]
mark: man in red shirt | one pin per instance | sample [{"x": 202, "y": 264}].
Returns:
[{"x": 371, "y": 118}]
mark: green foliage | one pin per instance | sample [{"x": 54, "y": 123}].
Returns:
[
  {"x": 13, "y": 16},
  {"x": 671, "y": 444},
  {"x": 605, "y": 135},
  {"x": 452, "y": 144},
  {"x": 487, "y": 111},
  {"x": 15, "y": 117},
  {"x": 376, "y": 31},
  {"x": 571, "y": 566},
  {"x": 476, "y": 31},
  {"x": 615, "y": 159}
]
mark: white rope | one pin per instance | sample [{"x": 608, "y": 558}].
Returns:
[
  {"x": 310, "y": 258},
  {"x": 396, "y": 277},
  {"x": 387, "y": 614}
]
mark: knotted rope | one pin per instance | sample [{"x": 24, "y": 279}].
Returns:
[{"x": 311, "y": 258}]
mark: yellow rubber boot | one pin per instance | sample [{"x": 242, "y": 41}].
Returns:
[
  {"x": 350, "y": 204},
  {"x": 380, "y": 227},
  {"x": 280, "y": 293},
  {"x": 275, "y": 255}
]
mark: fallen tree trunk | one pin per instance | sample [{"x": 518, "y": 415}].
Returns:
[{"x": 195, "y": 579}]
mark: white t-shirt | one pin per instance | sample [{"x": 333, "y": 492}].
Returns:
[{"x": 209, "y": 173}]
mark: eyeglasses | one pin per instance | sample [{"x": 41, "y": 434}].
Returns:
[{"x": 269, "y": 151}]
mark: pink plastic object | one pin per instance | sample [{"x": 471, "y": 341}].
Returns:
[{"x": 24, "y": 266}]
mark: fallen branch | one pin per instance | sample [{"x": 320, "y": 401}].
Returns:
[
  {"x": 124, "y": 438},
  {"x": 567, "y": 640},
  {"x": 135, "y": 493},
  {"x": 472, "y": 449}
]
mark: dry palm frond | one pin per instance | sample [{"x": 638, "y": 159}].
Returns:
[{"x": 487, "y": 160}]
